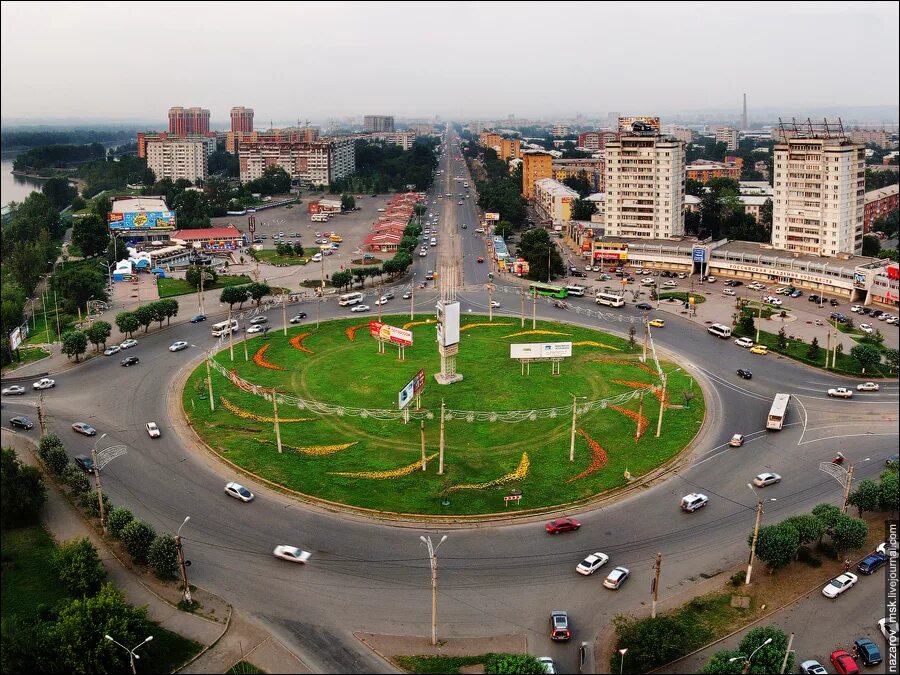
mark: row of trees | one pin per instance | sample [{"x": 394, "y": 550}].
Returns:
[
  {"x": 57, "y": 156},
  {"x": 721, "y": 213},
  {"x": 28, "y": 240},
  {"x": 382, "y": 167},
  {"x": 767, "y": 658},
  {"x": 501, "y": 192},
  {"x": 395, "y": 267},
  {"x": 536, "y": 247},
  {"x": 114, "y": 174},
  {"x": 238, "y": 295},
  {"x": 143, "y": 316},
  {"x": 19, "y": 138}
]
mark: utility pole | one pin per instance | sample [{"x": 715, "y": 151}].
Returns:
[
  {"x": 828, "y": 347},
  {"x": 200, "y": 291},
  {"x": 522, "y": 308},
  {"x": 284, "y": 312},
  {"x": 275, "y": 413},
  {"x": 759, "y": 320},
  {"x": 637, "y": 431},
  {"x": 787, "y": 653},
  {"x": 412, "y": 295},
  {"x": 646, "y": 337},
  {"x": 847, "y": 489},
  {"x": 99, "y": 487},
  {"x": 212, "y": 402},
  {"x": 230, "y": 335},
  {"x": 534, "y": 311},
  {"x": 759, "y": 512},
  {"x": 655, "y": 588},
  {"x": 662, "y": 405},
  {"x": 432, "y": 551},
  {"x": 246, "y": 354},
  {"x": 186, "y": 589},
  {"x": 572, "y": 436},
  {"x": 441, "y": 447},
  {"x": 490, "y": 288},
  {"x": 422, "y": 433}
]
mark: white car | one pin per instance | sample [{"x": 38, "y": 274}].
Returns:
[
  {"x": 812, "y": 667},
  {"x": 772, "y": 300},
  {"x": 710, "y": 280},
  {"x": 44, "y": 383},
  {"x": 549, "y": 666},
  {"x": 766, "y": 479},
  {"x": 128, "y": 344},
  {"x": 14, "y": 390},
  {"x": 383, "y": 300},
  {"x": 840, "y": 392},
  {"x": 592, "y": 563},
  {"x": 866, "y": 328},
  {"x": 781, "y": 290},
  {"x": 238, "y": 491},
  {"x": 153, "y": 430},
  {"x": 257, "y": 328},
  {"x": 112, "y": 349},
  {"x": 495, "y": 303},
  {"x": 259, "y": 320},
  {"x": 839, "y": 584},
  {"x": 729, "y": 291},
  {"x": 744, "y": 342},
  {"x": 423, "y": 253},
  {"x": 292, "y": 553},
  {"x": 889, "y": 630},
  {"x": 178, "y": 346},
  {"x": 868, "y": 386},
  {"x": 360, "y": 308}
]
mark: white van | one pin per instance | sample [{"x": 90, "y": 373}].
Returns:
[
  {"x": 222, "y": 328},
  {"x": 350, "y": 299},
  {"x": 575, "y": 289}
]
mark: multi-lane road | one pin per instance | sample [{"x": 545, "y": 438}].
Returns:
[{"x": 495, "y": 578}]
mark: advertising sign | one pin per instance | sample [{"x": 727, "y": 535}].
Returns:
[
  {"x": 492, "y": 216},
  {"x": 626, "y": 123},
  {"x": 540, "y": 350},
  {"x": 383, "y": 331},
  {"x": 412, "y": 389},
  {"x": 698, "y": 255},
  {"x": 15, "y": 338},
  {"x": 142, "y": 220}
]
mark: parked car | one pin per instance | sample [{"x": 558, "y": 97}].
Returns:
[
  {"x": 843, "y": 663},
  {"x": 178, "y": 346},
  {"x": 866, "y": 328},
  {"x": 86, "y": 463},
  {"x": 868, "y": 651},
  {"x": 549, "y": 665},
  {"x": 872, "y": 563},
  {"x": 840, "y": 392},
  {"x": 728, "y": 291},
  {"x": 856, "y": 308},
  {"x": 759, "y": 349},
  {"x": 129, "y": 361},
  {"x": 14, "y": 390},
  {"x": 256, "y": 328},
  {"x": 238, "y": 491},
  {"x": 839, "y": 584},
  {"x": 868, "y": 386},
  {"x": 559, "y": 626},
  {"x": 694, "y": 501},
  {"x": 20, "y": 422},
  {"x": 562, "y": 525},
  {"x": 44, "y": 383},
  {"x": 812, "y": 667},
  {"x": 766, "y": 479},
  {"x": 298, "y": 318},
  {"x": 833, "y": 302},
  {"x": 888, "y": 629},
  {"x": 128, "y": 344},
  {"x": 84, "y": 428},
  {"x": 796, "y": 293},
  {"x": 616, "y": 578},
  {"x": 153, "y": 430},
  {"x": 744, "y": 342},
  {"x": 197, "y": 318},
  {"x": 292, "y": 554},
  {"x": 112, "y": 349},
  {"x": 813, "y": 298},
  {"x": 592, "y": 563}
]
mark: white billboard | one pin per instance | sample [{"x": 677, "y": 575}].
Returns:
[
  {"x": 491, "y": 216},
  {"x": 540, "y": 350}
]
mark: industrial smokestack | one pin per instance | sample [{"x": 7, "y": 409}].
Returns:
[{"x": 744, "y": 126}]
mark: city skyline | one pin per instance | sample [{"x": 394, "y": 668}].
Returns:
[{"x": 384, "y": 59}]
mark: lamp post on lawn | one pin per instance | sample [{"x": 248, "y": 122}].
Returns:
[
  {"x": 131, "y": 652},
  {"x": 622, "y": 659},
  {"x": 97, "y": 482},
  {"x": 575, "y": 400},
  {"x": 746, "y": 667}
]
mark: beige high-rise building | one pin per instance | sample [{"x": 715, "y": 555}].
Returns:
[
  {"x": 819, "y": 200},
  {"x": 177, "y": 158},
  {"x": 645, "y": 186},
  {"x": 729, "y": 136}
]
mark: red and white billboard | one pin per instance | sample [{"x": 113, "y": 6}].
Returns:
[{"x": 398, "y": 336}]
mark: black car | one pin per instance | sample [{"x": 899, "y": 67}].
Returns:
[
  {"x": 579, "y": 273},
  {"x": 129, "y": 361},
  {"x": 813, "y": 298},
  {"x": 744, "y": 373},
  {"x": 877, "y": 312},
  {"x": 21, "y": 423},
  {"x": 872, "y": 563},
  {"x": 298, "y": 318},
  {"x": 644, "y": 306},
  {"x": 197, "y": 318},
  {"x": 833, "y": 302},
  {"x": 735, "y": 282},
  {"x": 85, "y": 462}
]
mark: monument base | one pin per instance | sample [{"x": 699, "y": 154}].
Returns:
[{"x": 448, "y": 379}]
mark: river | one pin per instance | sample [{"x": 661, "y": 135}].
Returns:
[{"x": 15, "y": 188}]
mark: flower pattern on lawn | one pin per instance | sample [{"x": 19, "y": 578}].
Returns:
[
  {"x": 382, "y": 475},
  {"x": 598, "y": 457},
  {"x": 350, "y": 331},
  {"x": 259, "y": 358},
  {"x": 247, "y": 415},
  {"x": 410, "y": 324},
  {"x": 641, "y": 420},
  {"x": 591, "y": 343},
  {"x": 480, "y": 325},
  {"x": 297, "y": 343},
  {"x": 520, "y": 473},
  {"x": 536, "y": 332}
]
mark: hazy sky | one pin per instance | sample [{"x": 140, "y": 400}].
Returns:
[{"x": 132, "y": 60}]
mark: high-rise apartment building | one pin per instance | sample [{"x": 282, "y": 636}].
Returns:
[
  {"x": 376, "y": 123},
  {"x": 313, "y": 163},
  {"x": 287, "y": 135},
  {"x": 535, "y": 166},
  {"x": 241, "y": 119},
  {"x": 144, "y": 137},
  {"x": 729, "y": 136},
  {"x": 596, "y": 140},
  {"x": 177, "y": 158},
  {"x": 644, "y": 191},
  {"x": 184, "y": 121},
  {"x": 819, "y": 201}
]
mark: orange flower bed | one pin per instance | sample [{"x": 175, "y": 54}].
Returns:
[
  {"x": 297, "y": 343},
  {"x": 625, "y": 362},
  {"x": 642, "y": 421},
  {"x": 598, "y": 457},
  {"x": 351, "y": 331},
  {"x": 259, "y": 358}
]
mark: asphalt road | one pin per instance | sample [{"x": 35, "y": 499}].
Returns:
[{"x": 494, "y": 578}]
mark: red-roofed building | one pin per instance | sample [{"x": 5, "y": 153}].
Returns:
[
  {"x": 212, "y": 238},
  {"x": 383, "y": 241}
]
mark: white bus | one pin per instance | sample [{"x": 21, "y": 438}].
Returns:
[
  {"x": 350, "y": 299},
  {"x": 778, "y": 412},
  {"x": 610, "y": 299},
  {"x": 222, "y": 328},
  {"x": 719, "y": 330},
  {"x": 575, "y": 289}
]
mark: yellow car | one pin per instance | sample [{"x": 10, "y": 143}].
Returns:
[
  {"x": 656, "y": 323},
  {"x": 759, "y": 349}
]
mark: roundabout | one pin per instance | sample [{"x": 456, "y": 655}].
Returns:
[{"x": 344, "y": 439}]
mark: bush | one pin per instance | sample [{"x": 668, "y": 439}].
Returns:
[
  {"x": 137, "y": 537},
  {"x": 88, "y": 501},
  {"x": 738, "y": 578},
  {"x": 47, "y": 442},
  {"x": 22, "y": 492},
  {"x": 76, "y": 480},
  {"x": 163, "y": 557},
  {"x": 78, "y": 566},
  {"x": 57, "y": 460},
  {"x": 768, "y": 658},
  {"x": 513, "y": 664},
  {"x": 117, "y": 519},
  {"x": 655, "y": 642}
]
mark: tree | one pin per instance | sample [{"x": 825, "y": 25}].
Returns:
[
  {"x": 812, "y": 352},
  {"x": 91, "y": 234},
  {"x": 78, "y": 566},
  {"x": 159, "y": 311},
  {"x": 514, "y": 664},
  {"x": 721, "y": 662},
  {"x": 233, "y": 294},
  {"x": 22, "y": 492},
  {"x": 828, "y": 515},
  {"x": 163, "y": 556},
  {"x": 849, "y": 533},
  {"x": 145, "y": 316},
  {"x": 582, "y": 209},
  {"x": 348, "y": 202},
  {"x": 768, "y": 658},
  {"x": 341, "y": 279},
  {"x": 535, "y": 247},
  {"x": 103, "y": 207},
  {"x": 59, "y": 192},
  {"x": 279, "y": 179},
  {"x": 170, "y": 309},
  {"x": 74, "y": 477},
  {"x": 808, "y": 527},
  {"x": 865, "y": 496},
  {"x": 56, "y": 460},
  {"x": 867, "y": 355},
  {"x": 891, "y": 357},
  {"x": 193, "y": 210},
  {"x": 580, "y": 183},
  {"x": 408, "y": 243},
  {"x": 776, "y": 545},
  {"x": 192, "y": 276},
  {"x": 748, "y": 327},
  {"x": 91, "y": 503},
  {"x": 871, "y": 245},
  {"x": 127, "y": 323},
  {"x": 258, "y": 290},
  {"x": 765, "y": 214},
  {"x": 137, "y": 536},
  {"x": 504, "y": 228},
  {"x": 117, "y": 519},
  {"x": 74, "y": 343},
  {"x": 99, "y": 332},
  {"x": 48, "y": 442},
  {"x": 652, "y": 642},
  {"x": 782, "y": 341},
  {"x": 693, "y": 187},
  {"x": 77, "y": 285},
  {"x": 889, "y": 491}
]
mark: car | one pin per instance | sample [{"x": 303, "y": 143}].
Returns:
[
  {"x": 888, "y": 628},
  {"x": 238, "y": 491},
  {"x": 856, "y": 308},
  {"x": 644, "y": 306},
  {"x": 812, "y": 667},
  {"x": 772, "y": 300},
  {"x": 129, "y": 361},
  {"x": 759, "y": 349},
  {"x": 833, "y": 302},
  {"x": 840, "y": 392},
  {"x": 868, "y": 386},
  {"x": 20, "y": 422},
  {"x": 298, "y": 318},
  {"x": 736, "y": 441},
  {"x": 128, "y": 344},
  {"x": 839, "y": 584},
  {"x": 892, "y": 460},
  {"x": 429, "y": 275},
  {"x": 360, "y": 308},
  {"x": 495, "y": 303},
  {"x": 383, "y": 300},
  {"x": 153, "y": 430},
  {"x": 783, "y": 290},
  {"x": 616, "y": 578},
  {"x": 84, "y": 429},
  {"x": 693, "y": 501},
  {"x": 837, "y": 316},
  {"x": 843, "y": 663},
  {"x": 766, "y": 479},
  {"x": 292, "y": 554},
  {"x": 728, "y": 291},
  {"x": 796, "y": 294},
  {"x": 682, "y": 275},
  {"x": 44, "y": 383},
  {"x": 868, "y": 651},
  {"x": 256, "y": 328},
  {"x": 710, "y": 280},
  {"x": 883, "y": 547},
  {"x": 813, "y": 298},
  {"x": 866, "y": 328},
  {"x": 562, "y": 525},
  {"x": 423, "y": 253},
  {"x": 559, "y": 626},
  {"x": 744, "y": 342},
  {"x": 14, "y": 390},
  {"x": 656, "y": 323},
  {"x": 592, "y": 563},
  {"x": 258, "y": 320},
  {"x": 112, "y": 349},
  {"x": 178, "y": 346},
  {"x": 407, "y": 295},
  {"x": 872, "y": 563},
  {"x": 197, "y": 318},
  {"x": 548, "y": 664},
  {"x": 579, "y": 274},
  {"x": 480, "y": 259},
  {"x": 86, "y": 462}
]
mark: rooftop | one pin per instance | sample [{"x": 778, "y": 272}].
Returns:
[
  {"x": 228, "y": 232},
  {"x": 881, "y": 193},
  {"x": 139, "y": 204}
]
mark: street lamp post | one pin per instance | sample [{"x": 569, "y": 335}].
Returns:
[
  {"x": 572, "y": 437},
  {"x": 746, "y": 667},
  {"x": 131, "y": 652},
  {"x": 186, "y": 589},
  {"x": 759, "y": 512},
  {"x": 412, "y": 295},
  {"x": 432, "y": 556},
  {"x": 622, "y": 660}
]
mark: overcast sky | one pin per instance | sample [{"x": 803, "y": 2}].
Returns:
[{"x": 133, "y": 60}]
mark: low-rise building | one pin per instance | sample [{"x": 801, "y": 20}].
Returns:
[
  {"x": 878, "y": 137},
  {"x": 211, "y": 238},
  {"x": 729, "y": 136},
  {"x": 592, "y": 168},
  {"x": 879, "y": 203},
  {"x": 553, "y": 200},
  {"x": 405, "y": 139},
  {"x": 755, "y": 187},
  {"x": 705, "y": 170}
]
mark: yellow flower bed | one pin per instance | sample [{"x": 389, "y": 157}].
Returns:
[
  {"x": 477, "y": 325},
  {"x": 591, "y": 343},
  {"x": 381, "y": 475},
  {"x": 520, "y": 473},
  {"x": 234, "y": 410},
  {"x": 323, "y": 449},
  {"x": 536, "y": 332},
  {"x": 409, "y": 325}
]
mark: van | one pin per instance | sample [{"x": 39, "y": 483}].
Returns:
[
  {"x": 575, "y": 289},
  {"x": 694, "y": 501}
]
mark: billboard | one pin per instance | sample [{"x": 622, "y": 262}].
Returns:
[
  {"x": 412, "y": 389},
  {"x": 626, "y": 123},
  {"x": 699, "y": 254},
  {"x": 16, "y": 337},
  {"x": 383, "y": 331},
  {"x": 492, "y": 216},
  {"x": 142, "y": 220},
  {"x": 541, "y": 350}
]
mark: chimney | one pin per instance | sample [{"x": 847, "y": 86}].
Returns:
[{"x": 744, "y": 126}]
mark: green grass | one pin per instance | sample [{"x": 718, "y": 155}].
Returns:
[
  {"x": 167, "y": 651},
  {"x": 269, "y": 255},
  {"x": 699, "y": 298},
  {"x": 28, "y": 581},
  {"x": 171, "y": 287},
  {"x": 244, "y": 668},
  {"x": 38, "y": 327},
  {"x": 767, "y": 312},
  {"x": 27, "y": 356},
  {"x": 352, "y": 374},
  {"x": 437, "y": 664}
]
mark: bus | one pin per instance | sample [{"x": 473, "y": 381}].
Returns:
[
  {"x": 550, "y": 290},
  {"x": 350, "y": 299},
  {"x": 609, "y": 299},
  {"x": 222, "y": 328},
  {"x": 575, "y": 289},
  {"x": 778, "y": 412},
  {"x": 719, "y": 330}
]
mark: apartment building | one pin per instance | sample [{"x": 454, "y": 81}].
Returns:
[
  {"x": 378, "y": 123},
  {"x": 188, "y": 120},
  {"x": 314, "y": 163},
  {"x": 209, "y": 140},
  {"x": 819, "y": 185},
  {"x": 535, "y": 166},
  {"x": 874, "y": 136},
  {"x": 595, "y": 140},
  {"x": 405, "y": 139},
  {"x": 287, "y": 135},
  {"x": 645, "y": 175},
  {"x": 241, "y": 119},
  {"x": 593, "y": 170},
  {"x": 729, "y": 136},
  {"x": 879, "y": 203},
  {"x": 705, "y": 170},
  {"x": 553, "y": 200},
  {"x": 177, "y": 158}
]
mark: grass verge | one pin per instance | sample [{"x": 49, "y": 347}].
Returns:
[
  {"x": 26, "y": 356},
  {"x": 682, "y": 296},
  {"x": 244, "y": 667},
  {"x": 269, "y": 255},
  {"x": 437, "y": 664},
  {"x": 172, "y": 287}
]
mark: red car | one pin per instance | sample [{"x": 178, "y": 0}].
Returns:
[
  {"x": 843, "y": 663},
  {"x": 562, "y": 525},
  {"x": 480, "y": 259}
]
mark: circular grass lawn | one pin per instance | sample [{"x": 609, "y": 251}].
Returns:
[{"x": 366, "y": 462}]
